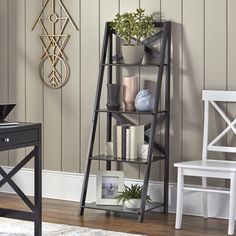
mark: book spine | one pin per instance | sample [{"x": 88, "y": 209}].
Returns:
[
  {"x": 123, "y": 143},
  {"x": 118, "y": 140},
  {"x": 115, "y": 140},
  {"x": 127, "y": 143}
]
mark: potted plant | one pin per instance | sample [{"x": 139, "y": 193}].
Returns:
[
  {"x": 133, "y": 25},
  {"x": 131, "y": 197}
]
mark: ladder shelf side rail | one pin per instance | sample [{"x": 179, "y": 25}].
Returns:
[
  {"x": 94, "y": 121},
  {"x": 166, "y": 29}
]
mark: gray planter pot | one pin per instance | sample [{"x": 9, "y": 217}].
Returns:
[{"x": 133, "y": 54}]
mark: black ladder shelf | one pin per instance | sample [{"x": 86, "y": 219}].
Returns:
[{"x": 162, "y": 61}]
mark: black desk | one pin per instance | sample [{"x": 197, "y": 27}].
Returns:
[{"x": 24, "y": 135}]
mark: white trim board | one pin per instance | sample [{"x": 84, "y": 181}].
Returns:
[{"x": 67, "y": 186}]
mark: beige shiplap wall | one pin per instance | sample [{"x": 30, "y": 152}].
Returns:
[{"x": 203, "y": 57}]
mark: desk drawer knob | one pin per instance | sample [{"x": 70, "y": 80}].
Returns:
[{"x": 6, "y": 140}]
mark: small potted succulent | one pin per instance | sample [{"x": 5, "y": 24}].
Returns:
[
  {"x": 131, "y": 197},
  {"x": 135, "y": 25}
]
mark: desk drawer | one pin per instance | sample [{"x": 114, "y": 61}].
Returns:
[{"x": 18, "y": 138}]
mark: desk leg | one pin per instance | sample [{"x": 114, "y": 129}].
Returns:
[{"x": 38, "y": 191}]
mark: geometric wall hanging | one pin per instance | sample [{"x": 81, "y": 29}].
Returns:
[{"x": 54, "y": 69}]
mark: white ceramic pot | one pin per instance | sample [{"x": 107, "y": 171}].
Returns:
[
  {"x": 132, "y": 203},
  {"x": 133, "y": 54}
]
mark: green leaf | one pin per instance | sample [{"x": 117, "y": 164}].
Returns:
[
  {"x": 133, "y": 25},
  {"x": 135, "y": 191}
]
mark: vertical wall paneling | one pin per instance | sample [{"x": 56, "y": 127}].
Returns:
[
  {"x": 215, "y": 44},
  {"x": 193, "y": 78},
  {"x": 108, "y": 10},
  {"x": 17, "y": 67},
  {"x": 4, "y": 63},
  {"x": 231, "y": 49},
  {"x": 148, "y": 78},
  {"x": 34, "y": 88},
  {"x": 172, "y": 10},
  {"x": 71, "y": 97},
  {"x": 89, "y": 72},
  {"x": 52, "y": 120},
  {"x": 203, "y": 56},
  {"x": 131, "y": 170}
]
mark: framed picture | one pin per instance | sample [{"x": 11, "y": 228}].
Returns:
[{"x": 109, "y": 184}]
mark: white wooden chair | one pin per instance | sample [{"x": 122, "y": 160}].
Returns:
[{"x": 210, "y": 168}]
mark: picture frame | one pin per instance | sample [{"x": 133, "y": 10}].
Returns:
[{"x": 109, "y": 184}]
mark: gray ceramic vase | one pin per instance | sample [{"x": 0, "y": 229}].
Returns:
[
  {"x": 133, "y": 54},
  {"x": 113, "y": 97},
  {"x": 144, "y": 100}
]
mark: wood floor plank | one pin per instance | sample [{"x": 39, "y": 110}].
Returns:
[{"x": 155, "y": 224}]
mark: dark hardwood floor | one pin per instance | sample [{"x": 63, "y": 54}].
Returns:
[{"x": 155, "y": 224}]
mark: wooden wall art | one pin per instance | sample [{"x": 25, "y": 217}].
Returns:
[{"x": 54, "y": 69}]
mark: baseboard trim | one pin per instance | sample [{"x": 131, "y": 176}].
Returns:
[{"x": 67, "y": 186}]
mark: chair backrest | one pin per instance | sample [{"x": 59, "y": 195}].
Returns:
[{"x": 211, "y": 97}]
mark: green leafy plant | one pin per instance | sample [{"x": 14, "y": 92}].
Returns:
[
  {"x": 133, "y": 192},
  {"x": 136, "y": 24}
]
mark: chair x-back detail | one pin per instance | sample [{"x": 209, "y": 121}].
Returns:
[{"x": 208, "y": 167}]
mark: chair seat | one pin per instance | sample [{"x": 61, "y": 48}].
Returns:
[{"x": 219, "y": 165}]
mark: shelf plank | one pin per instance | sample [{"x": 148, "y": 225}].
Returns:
[
  {"x": 120, "y": 64},
  {"x": 134, "y": 161},
  {"x": 121, "y": 209},
  {"x": 130, "y": 112}
]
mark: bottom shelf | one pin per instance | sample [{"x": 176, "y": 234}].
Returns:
[{"x": 120, "y": 209}]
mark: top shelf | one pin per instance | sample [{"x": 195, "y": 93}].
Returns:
[{"x": 148, "y": 61}]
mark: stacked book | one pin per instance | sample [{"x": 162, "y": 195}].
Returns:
[{"x": 126, "y": 139}]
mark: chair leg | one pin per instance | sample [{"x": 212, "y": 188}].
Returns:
[
  {"x": 232, "y": 205},
  {"x": 179, "y": 204},
  {"x": 205, "y": 203}
]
